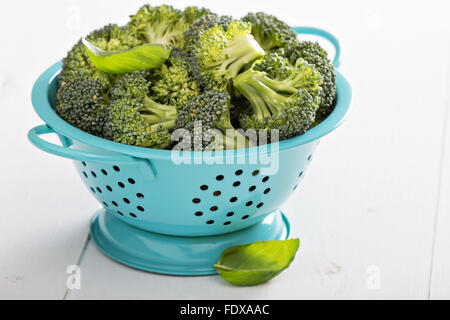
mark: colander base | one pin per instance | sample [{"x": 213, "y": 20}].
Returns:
[{"x": 188, "y": 256}]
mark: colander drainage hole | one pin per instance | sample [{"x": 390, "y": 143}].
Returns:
[
  {"x": 119, "y": 212},
  {"x": 93, "y": 174},
  {"x": 217, "y": 193},
  {"x": 265, "y": 179},
  {"x": 99, "y": 190},
  {"x": 230, "y": 214},
  {"x": 114, "y": 203},
  {"x": 248, "y": 204},
  {"x": 109, "y": 188},
  {"x": 310, "y": 157},
  {"x": 199, "y": 213},
  {"x": 260, "y": 205},
  {"x": 214, "y": 208},
  {"x": 85, "y": 174},
  {"x": 252, "y": 188},
  {"x": 239, "y": 172},
  {"x": 131, "y": 181},
  {"x": 300, "y": 174},
  {"x": 237, "y": 184},
  {"x": 133, "y": 215},
  {"x": 234, "y": 199},
  {"x": 126, "y": 200},
  {"x": 105, "y": 204},
  {"x": 227, "y": 223},
  {"x": 220, "y": 177},
  {"x": 116, "y": 168},
  {"x": 140, "y": 208},
  {"x": 140, "y": 195},
  {"x": 267, "y": 191},
  {"x": 210, "y": 222},
  {"x": 92, "y": 189},
  {"x": 196, "y": 200},
  {"x": 255, "y": 173},
  {"x": 83, "y": 163},
  {"x": 104, "y": 172},
  {"x": 245, "y": 217},
  {"x": 120, "y": 184},
  {"x": 204, "y": 187},
  {"x": 295, "y": 187}
]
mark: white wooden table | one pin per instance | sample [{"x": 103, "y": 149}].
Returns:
[{"x": 373, "y": 212}]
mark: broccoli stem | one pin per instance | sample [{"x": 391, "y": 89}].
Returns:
[
  {"x": 260, "y": 109},
  {"x": 232, "y": 139},
  {"x": 262, "y": 93},
  {"x": 160, "y": 114},
  {"x": 240, "y": 52}
]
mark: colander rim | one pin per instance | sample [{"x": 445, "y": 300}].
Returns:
[{"x": 41, "y": 103}]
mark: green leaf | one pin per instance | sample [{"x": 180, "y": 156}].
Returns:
[
  {"x": 147, "y": 56},
  {"x": 252, "y": 264}
]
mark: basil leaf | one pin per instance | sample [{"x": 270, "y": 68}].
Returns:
[
  {"x": 146, "y": 56},
  {"x": 255, "y": 263}
]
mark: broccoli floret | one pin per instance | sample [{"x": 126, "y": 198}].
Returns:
[
  {"x": 160, "y": 25},
  {"x": 114, "y": 38},
  {"x": 205, "y": 22},
  {"x": 134, "y": 118},
  {"x": 191, "y": 14},
  {"x": 175, "y": 84},
  {"x": 220, "y": 55},
  {"x": 108, "y": 38},
  {"x": 286, "y": 97},
  {"x": 269, "y": 31},
  {"x": 207, "y": 118},
  {"x": 313, "y": 53},
  {"x": 83, "y": 93},
  {"x": 83, "y": 101}
]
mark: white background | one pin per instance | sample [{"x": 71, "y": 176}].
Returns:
[{"x": 373, "y": 213}]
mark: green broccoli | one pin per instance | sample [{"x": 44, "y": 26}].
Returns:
[
  {"x": 207, "y": 118},
  {"x": 175, "y": 84},
  {"x": 83, "y": 102},
  {"x": 134, "y": 118},
  {"x": 312, "y": 53},
  {"x": 83, "y": 93},
  {"x": 219, "y": 54},
  {"x": 191, "y": 14},
  {"x": 205, "y": 22},
  {"x": 269, "y": 31},
  {"x": 164, "y": 24},
  {"x": 283, "y": 96}
]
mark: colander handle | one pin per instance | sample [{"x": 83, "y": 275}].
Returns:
[
  {"x": 324, "y": 34},
  {"x": 66, "y": 152}
]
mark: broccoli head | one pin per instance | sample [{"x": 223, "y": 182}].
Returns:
[
  {"x": 269, "y": 31},
  {"x": 220, "y": 54},
  {"x": 83, "y": 101},
  {"x": 175, "y": 84},
  {"x": 191, "y": 14},
  {"x": 134, "y": 118},
  {"x": 83, "y": 93},
  {"x": 313, "y": 53},
  {"x": 205, "y": 22},
  {"x": 207, "y": 118},
  {"x": 164, "y": 24},
  {"x": 283, "y": 96},
  {"x": 108, "y": 38}
]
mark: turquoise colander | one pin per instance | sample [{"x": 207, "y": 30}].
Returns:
[{"x": 162, "y": 216}]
